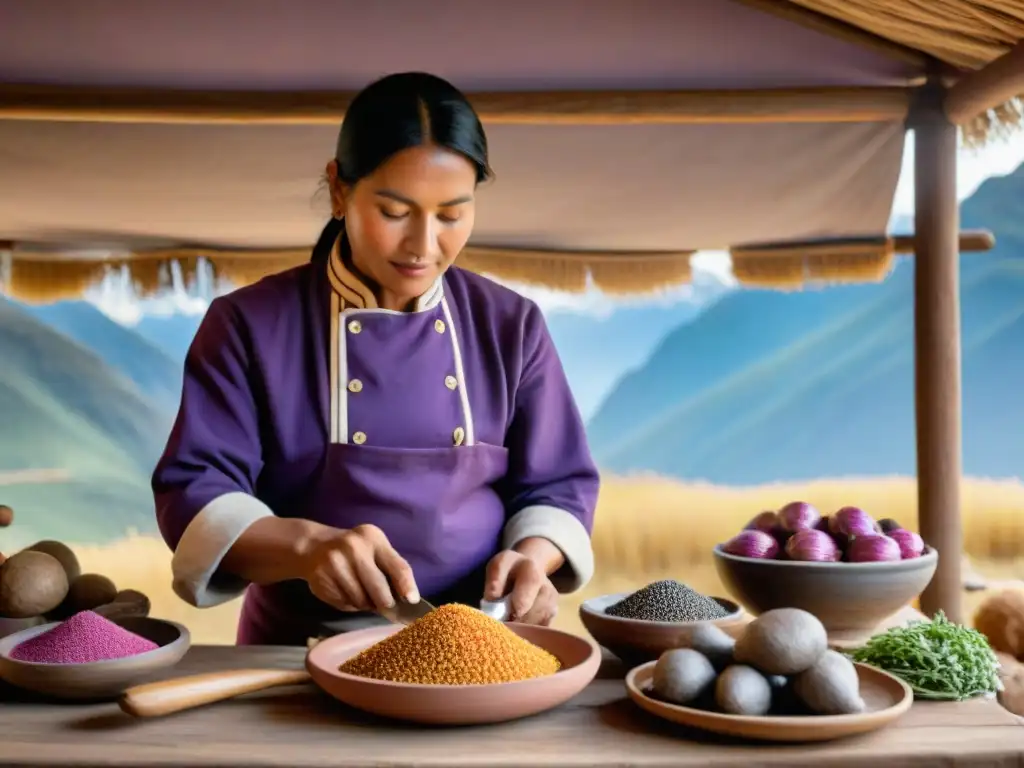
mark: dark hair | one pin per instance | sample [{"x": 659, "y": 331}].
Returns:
[
  {"x": 407, "y": 110},
  {"x": 397, "y": 112}
]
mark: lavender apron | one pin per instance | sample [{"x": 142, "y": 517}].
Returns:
[{"x": 437, "y": 506}]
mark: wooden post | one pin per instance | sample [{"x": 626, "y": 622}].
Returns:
[{"x": 937, "y": 346}]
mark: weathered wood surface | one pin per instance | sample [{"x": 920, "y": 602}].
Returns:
[{"x": 300, "y": 726}]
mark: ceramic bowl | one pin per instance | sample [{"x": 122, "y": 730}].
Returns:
[
  {"x": 850, "y": 599},
  {"x": 455, "y": 704},
  {"x": 636, "y": 641},
  {"x": 12, "y": 626},
  {"x": 99, "y": 679}
]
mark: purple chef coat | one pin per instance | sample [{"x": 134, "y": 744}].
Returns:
[{"x": 450, "y": 427}]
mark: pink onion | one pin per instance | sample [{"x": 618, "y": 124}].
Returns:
[
  {"x": 812, "y": 546},
  {"x": 911, "y": 544},
  {"x": 852, "y": 521},
  {"x": 873, "y": 548},
  {"x": 752, "y": 543},
  {"x": 765, "y": 521},
  {"x": 798, "y": 516}
]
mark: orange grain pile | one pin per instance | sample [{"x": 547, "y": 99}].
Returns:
[{"x": 453, "y": 645}]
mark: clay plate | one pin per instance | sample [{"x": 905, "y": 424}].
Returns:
[
  {"x": 99, "y": 679},
  {"x": 636, "y": 641},
  {"x": 887, "y": 698},
  {"x": 455, "y": 704}
]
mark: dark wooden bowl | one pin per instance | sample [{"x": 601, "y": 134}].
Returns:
[
  {"x": 850, "y": 599},
  {"x": 635, "y": 641}
]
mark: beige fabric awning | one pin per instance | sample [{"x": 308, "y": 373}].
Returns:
[
  {"x": 633, "y": 187},
  {"x": 626, "y": 188}
]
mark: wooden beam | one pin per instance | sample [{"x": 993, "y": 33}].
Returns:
[
  {"x": 132, "y": 105},
  {"x": 937, "y": 348},
  {"x": 970, "y": 241},
  {"x": 819, "y": 22},
  {"x": 987, "y": 88}
]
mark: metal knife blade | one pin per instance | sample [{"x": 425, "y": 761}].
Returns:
[{"x": 403, "y": 612}]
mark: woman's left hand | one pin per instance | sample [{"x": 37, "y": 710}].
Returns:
[{"x": 534, "y": 599}]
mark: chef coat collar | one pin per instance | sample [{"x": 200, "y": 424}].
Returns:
[{"x": 355, "y": 294}]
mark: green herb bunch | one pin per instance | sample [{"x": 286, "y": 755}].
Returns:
[{"x": 937, "y": 659}]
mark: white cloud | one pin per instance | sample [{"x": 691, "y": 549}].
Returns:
[
  {"x": 711, "y": 277},
  {"x": 117, "y": 297},
  {"x": 998, "y": 158}
]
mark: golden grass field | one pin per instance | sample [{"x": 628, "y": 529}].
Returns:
[{"x": 647, "y": 528}]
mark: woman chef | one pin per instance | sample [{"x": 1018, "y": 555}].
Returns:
[{"x": 379, "y": 417}]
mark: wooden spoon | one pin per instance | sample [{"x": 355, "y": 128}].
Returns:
[{"x": 166, "y": 697}]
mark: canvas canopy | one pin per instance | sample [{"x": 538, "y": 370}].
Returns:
[{"x": 138, "y": 124}]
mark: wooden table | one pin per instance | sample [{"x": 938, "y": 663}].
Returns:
[{"x": 300, "y": 726}]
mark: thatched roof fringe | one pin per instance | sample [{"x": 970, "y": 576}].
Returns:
[
  {"x": 790, "y": 268},
  {"x": 41, "y": 276}
]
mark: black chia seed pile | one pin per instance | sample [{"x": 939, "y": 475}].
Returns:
[{"x": 667, "y": 600}]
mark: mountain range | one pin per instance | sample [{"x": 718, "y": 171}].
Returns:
[
  {"x": 767, "y": 385},
  {"x": 82, "y": 419}
]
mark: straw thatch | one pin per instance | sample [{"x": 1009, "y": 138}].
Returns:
[
  {"x": 612, "y": 273},
  {"x": 45, "y": 277},
  {"x": 794, "y": 266},
  {"x": 965, "y": 34}
]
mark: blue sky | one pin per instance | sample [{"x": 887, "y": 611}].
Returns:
[{"x": 711, "y": 270}]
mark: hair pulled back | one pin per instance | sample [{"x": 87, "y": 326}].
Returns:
[
  {"x": 398, "y": 112},
  {"x": 408, "y": 109}
]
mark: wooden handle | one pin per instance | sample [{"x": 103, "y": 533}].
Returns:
[{"x": 177, "y": 694}]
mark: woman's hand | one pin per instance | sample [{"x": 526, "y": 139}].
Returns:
[
  {"x": 522, "y": 573},
  {"x": 355, "y": 569}
]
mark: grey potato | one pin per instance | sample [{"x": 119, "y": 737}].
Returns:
[
  {"x": 682, "y": 674},
  {"x": 712, "y": 642},
  {"x": 742, "y": 690},
  {"x": 831, "y": 686},
  {"x": 784, "y": 641}
]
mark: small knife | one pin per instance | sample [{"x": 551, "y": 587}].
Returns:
[{"x": 403, "y": 612}]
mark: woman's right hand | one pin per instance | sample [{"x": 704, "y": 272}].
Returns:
[{"x": 355, "y": 569}]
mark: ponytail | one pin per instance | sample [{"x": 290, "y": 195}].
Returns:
[{"x": 328, "y": 237}]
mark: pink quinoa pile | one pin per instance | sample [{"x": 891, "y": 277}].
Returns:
[{"x": 84, "y": 637}]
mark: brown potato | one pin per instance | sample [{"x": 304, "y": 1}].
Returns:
[
  {"x": 31, "y": 584},
  {"x": 128, "y": 603},
  {"x": 63, "y": 554},
  {"x": 6, "y": 516},
  {"x": 89, "y": 591}
]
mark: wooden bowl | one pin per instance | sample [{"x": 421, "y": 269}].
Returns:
[
  {"x": 635, "y": 641},
  {"x": 850, "y": 599},
  {"x": 887, "y": 699},
  {"x": 98, "y": 679},
  {"x": 455, "y": 704}
]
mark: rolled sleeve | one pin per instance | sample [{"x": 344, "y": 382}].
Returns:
[{"x": 204, "y": 484}]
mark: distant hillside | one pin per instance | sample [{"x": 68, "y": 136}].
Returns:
[
  {"x": 156, "y": 374},
  {"x": 597, "y": 351},
  {"x": 63, "y": 408},
  {"x": 770, "y": 386},
  {"x": 172, "y": 334}
]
